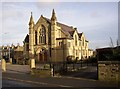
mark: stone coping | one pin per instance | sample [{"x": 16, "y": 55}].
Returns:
[
  {"x": 108, "y": 62},
  {"x": 41, "y": 68}
]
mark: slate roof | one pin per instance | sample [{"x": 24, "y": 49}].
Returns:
[
  {"x": 68, "y": 30},
  {"x": 79, "y": 34}
]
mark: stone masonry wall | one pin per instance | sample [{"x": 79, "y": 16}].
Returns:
[{"x": 108, "y": 70}]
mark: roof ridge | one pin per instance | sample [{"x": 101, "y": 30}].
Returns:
[
  {"x": 59, "y": 23},
  {"x": 65, "y": 25}
]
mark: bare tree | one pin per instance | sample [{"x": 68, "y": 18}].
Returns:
[
  {"x": 117, "y": 43},
  {"x": 111, "y": 42}
]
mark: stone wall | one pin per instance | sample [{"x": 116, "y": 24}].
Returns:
[
  {"x": 41, "y": 72},
  {"x": 108, "y": 71}
]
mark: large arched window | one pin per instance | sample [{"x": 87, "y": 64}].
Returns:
[
  {"x": 75, "y": 40},
  {"x": 43, "y": 35}
]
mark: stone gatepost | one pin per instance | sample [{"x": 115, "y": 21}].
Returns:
[
  {"x": 3, "y": 65},
  {"x": 51, "y": 72},
  {"x": 32, "y": 63},
  {"x": 10, "y": 60}
]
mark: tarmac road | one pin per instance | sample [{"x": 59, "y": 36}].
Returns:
[
  {"x": 17, "y": 78},
  {"x": 26, "y": 80}
]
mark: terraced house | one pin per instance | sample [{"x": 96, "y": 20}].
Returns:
[
  {"x": 14, "y": 52},
  {"x": 49, "y": 40}
]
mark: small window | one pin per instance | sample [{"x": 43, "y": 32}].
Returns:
[
  {"x": 86, "y": 45},
  {"x": 76, "y": 52},
  {"x": 61, "y": 44}
]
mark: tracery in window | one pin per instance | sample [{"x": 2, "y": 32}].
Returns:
[
  {"x": 75, "y": 40},
  {"x": 43, "y": 35}
]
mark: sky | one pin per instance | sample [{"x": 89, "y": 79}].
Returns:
[{"x": 97, "y": 20}]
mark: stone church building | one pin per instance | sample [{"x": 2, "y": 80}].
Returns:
[{"x": 51, "y": 41}]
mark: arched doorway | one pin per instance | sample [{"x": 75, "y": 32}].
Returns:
[{"x": 42, "y": 57}]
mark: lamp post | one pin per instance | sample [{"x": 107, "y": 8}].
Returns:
[
  {"x": 81, "y": 56},
  {"x": 9, "y": 52},
  {"x": 64, "y": 53},
  {"x": 8, "y": 46}
]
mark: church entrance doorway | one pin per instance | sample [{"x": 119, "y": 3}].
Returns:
[{"x": 42, "y": 56}]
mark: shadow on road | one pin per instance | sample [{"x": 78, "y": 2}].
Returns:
[
  {"x": 89, "y": 72},
  {"x": 17, "y": 71},
  {"x": 14, "y": 68}
]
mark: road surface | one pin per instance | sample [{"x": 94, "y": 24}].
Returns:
[{"x": 19, "y": 76}]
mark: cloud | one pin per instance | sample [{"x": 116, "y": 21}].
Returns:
[
  {"x": 60, "y": 0},
  {"x": 98, "y": 44},
  {"x": 96, "y": 21},
  {"x": 14, "y": 23},
  {"x": 100, "y": 36}
]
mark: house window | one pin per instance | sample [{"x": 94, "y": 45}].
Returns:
[
  {"x": 76, "y": 52},
  {"x": 83, "y": 41},
  {"x": 43, "y": 35},
  {"x": 86, "y": 45},
  {"x": 61, "y": 44},
  {"x": 75, "y": 40}
]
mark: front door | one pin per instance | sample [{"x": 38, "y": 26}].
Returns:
[
  {"x": 45, "y": 56},
  {"x": 42, "y": 56}
]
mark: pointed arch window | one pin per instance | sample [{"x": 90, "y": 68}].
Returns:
[
  {"x": 36, "y": 37},
  {"x": 43, "y": 35},
  {"x": 83, "y": 41},
  {"x": 75, "y": 40}
]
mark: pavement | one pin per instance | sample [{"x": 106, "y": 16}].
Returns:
[
  {"x": 18, "y": 76},
  {"x": 15, "y": 68}
]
